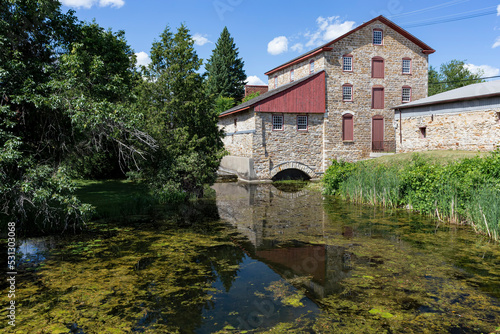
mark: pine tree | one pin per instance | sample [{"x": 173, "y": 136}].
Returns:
[
  {"x": 226, "y": 76},
  {"x": 181, "y": 117}
]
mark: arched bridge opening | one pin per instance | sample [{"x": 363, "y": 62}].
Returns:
[
  {"x": 292, "y": 171},
  {"x": 291, "y": 174}
]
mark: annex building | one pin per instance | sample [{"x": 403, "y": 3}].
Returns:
[{"x": 466, "y": 118}]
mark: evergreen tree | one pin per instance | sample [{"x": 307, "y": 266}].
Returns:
[
  {"x": 226, "y": 76},
  {"x": 181, "y": 118}
]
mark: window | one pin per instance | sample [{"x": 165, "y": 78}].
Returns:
[
  {"x": 406, "y": 94},
  {"x": 275, "y": 81},
  {"x": 378, "y": 37},
  {"x": 347, "y": 92},
  {"x": 378, "y": 98},
  {"x": 235, "y": 124},
  {"x": 302, "y": 123},
  {"x": 347, "y": 127},
  {"x": 406, "y": 66},
  {"x": 423, "y": 132},
  {"x": 291, "y": 75},
  {"x": 311, "y": 67},
  {"x": 378, "y": 67},
  {"x": 277, "y": 122},
  {"x": 347, "y": 63}
]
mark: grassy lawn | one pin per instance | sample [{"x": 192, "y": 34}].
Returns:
[
  {"x": 114, "y": 197},
  {"x": 434, "y": 157}
]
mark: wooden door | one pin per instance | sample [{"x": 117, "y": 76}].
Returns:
[{"x": 378, "y": 134}]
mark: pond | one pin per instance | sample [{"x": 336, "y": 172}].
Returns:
[{"x": 261, "y": 258}]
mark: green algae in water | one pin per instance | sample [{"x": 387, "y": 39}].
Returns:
[{"x": 372, "y": 271}]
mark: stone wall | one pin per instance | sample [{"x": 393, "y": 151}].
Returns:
[
  {"x": 469, "y": 131},
  {"x": 301, "y": 70},
  {"x": 359, "y": 44},
  {"x": 272, "y": 148},
  {"x": 238, "y": 140}
]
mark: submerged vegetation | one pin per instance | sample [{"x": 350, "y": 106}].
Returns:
[
  {"x": 467, "y": 190},
  {"x": 369, "y": 270}
]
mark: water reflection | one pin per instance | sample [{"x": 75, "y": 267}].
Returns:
[
  {"x": 294, "y": 257},
  {"x": 370, "y": 268}
]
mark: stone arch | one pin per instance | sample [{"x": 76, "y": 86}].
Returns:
[{"x": 293, "y": 165}]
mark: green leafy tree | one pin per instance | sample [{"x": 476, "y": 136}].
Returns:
[
  {"x": 250, "y": 96},
  {"x": 64, "y": 89},
  {"x": 225, "y": 74},
  {"x": 181, "y": 117},
  {"x": 223, "y": 103},
  {"x": 451, "y": 75}
]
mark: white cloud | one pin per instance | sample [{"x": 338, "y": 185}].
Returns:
[
  {"x": 90, "y": 3},
  {"x": 112, "y": 3},
  {"x": 497, "y": 43},
  {"x": 487, "y": 70},
  {"x": 78, "y": 3},
  {"x": 498, "y": 10},
  {"x": 328, "y": 29},
  {"x": 143, "y": 58},
  {"x": 254, "y": 80},
  {"x": 299, "y": 47},
  {"x": 278, "y": 45},
  {"x": 201, "y": 40}
]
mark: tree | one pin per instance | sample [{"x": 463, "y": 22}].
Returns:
[
  {"x": 225, "y": 74},
  {"x": 64, "y": 91},
  {"x": 181, "y": 117},
  {"x": 453, "y": 74}
]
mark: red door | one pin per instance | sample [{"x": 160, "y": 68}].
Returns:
[{"x": 378, "y": 133}]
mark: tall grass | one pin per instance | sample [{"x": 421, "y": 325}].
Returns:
[
  {"x": 379, "y": 186},
  {"x": 467, "y": 190},
  {"x": 484, "y": 211}
]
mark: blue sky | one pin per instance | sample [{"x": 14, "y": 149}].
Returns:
[{"x": 269, "y": 33}]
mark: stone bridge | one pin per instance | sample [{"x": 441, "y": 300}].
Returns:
[{"x": 244, "y": 169}]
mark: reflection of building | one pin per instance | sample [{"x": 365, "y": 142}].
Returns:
[{"x": 274, "y": 224}]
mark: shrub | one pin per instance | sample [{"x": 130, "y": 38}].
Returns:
[{"x": 335, "y": 175}]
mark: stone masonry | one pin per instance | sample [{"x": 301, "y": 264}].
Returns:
[{"x": 468, "y": 131}]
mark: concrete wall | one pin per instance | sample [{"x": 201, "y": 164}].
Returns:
[{"x": 469, "y": 131}]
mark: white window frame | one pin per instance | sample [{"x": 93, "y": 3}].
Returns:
[
  {"x": 278, "y": 123},
  {"x": 311, "y": 67},
  {"x": 407, "y": 68},
  {"x": 292, "y": 75},
  {"x": 347, "y": 67},
  {"x": 347, "y": 94},
  {"x": 275, "y": 81},
  {"x": 406, "y": 95},
  {"x": 302, "y": 120},
  {"x": 376, "y": 38}
]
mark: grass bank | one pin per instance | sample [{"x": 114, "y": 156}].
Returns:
[{"x": 461, "y": 187}]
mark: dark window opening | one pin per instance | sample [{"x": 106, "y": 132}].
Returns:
[{"x": 423, "y": 132}]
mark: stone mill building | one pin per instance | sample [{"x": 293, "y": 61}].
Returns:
[{"x": 333, "y": 102}]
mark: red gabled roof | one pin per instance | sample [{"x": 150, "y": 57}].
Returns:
[
  {"x": 327, "y": 47},
  {"x": 306, "y": 95}
]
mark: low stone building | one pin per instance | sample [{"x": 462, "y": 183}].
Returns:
[
  {"x": 466, "y": 118},
  {"x": 332, "y": 102}
]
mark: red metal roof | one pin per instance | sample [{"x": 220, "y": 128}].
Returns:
[{"x": 306, "y": 95}]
